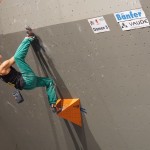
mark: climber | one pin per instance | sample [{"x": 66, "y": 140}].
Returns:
[{"x": 26, "y": 79}]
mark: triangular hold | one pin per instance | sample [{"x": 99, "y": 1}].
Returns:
[{"x": 70, "y": 110}]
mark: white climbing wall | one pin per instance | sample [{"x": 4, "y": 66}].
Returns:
[{"x": 38, "y": 13}]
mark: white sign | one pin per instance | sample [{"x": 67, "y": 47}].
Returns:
[
  {"x": 134, "y": 24},
  {"x": 98, "y": 25},
  {"x": 130, "y": 15},
  {"x": 132, "y": 19}
]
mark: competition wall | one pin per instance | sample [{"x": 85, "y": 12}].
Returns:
[{"x": 108, "y": 71}]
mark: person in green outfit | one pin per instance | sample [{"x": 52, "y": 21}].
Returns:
[{"x": 26, "y": 79}]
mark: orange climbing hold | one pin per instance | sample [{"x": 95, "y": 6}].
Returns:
[{"x": 70, "y": 110}]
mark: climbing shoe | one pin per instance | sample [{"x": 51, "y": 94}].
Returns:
[{"x": 29, "y": 31}]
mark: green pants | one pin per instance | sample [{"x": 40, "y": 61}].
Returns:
[{"x": 31, "y": 80}]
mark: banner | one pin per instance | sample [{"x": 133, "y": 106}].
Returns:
[{"x": 132, "y": 19}]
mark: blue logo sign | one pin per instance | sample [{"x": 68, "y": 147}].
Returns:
[{"x": 129, "y": 15}]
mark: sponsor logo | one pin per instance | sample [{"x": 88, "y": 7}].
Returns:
[
  {"x": 129, "y": 15},
  {"x": 133, "y": 24},
  {"x": 132, "y": 19}
]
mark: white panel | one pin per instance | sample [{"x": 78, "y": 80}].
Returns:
[{"x": 39, "y": 13}]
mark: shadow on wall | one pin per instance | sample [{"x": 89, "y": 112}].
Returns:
[{"x": 82, "y": 137}]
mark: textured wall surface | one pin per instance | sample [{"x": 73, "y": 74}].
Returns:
[
  {"x": 6, "y": 138},
  {"x": 39, "y": 13},
  {"x": 0, "y": 19},
  {"x": 109, "y": 72}
]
